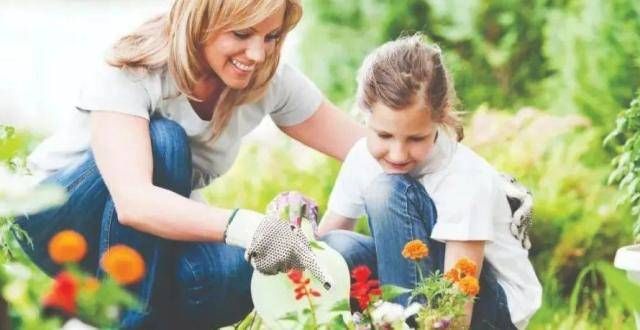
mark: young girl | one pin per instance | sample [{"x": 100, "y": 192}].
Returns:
[
  {"x": 163, "y": 117},
  {"x": 414, "y": 180}
]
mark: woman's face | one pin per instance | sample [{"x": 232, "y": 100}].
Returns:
[{"x": 234, "y": 55}]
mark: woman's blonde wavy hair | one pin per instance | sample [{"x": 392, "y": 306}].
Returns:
[{"x": 175, "y": 40}]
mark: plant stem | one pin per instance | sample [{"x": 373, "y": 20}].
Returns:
[
  {"x": 419, "y": 272},
  {"x": 312, "y": 308}
]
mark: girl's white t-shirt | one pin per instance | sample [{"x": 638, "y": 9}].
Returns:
[
  {"x": 471, "y": 206},
  {"x": 290, "y": 99}
]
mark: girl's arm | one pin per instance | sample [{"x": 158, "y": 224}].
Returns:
[
  {"x": 455, "y": 250},
  {"x": 332, "y": 221},
  {"x": 328, "y": 130},
  {"x": 126, "y": 164}
]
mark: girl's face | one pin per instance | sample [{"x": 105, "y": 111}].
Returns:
[
  {"x": 400, "y": 140},
  {"x": 234, "y": 55}
]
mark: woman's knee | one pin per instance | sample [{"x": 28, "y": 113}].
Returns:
[
  {"x": 214, "y": 284},
  {"x": 171, "y": 155},
  {"x": 211, "y": 272}
]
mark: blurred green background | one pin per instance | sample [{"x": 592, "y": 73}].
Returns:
[{"x": 542, "y": 83}]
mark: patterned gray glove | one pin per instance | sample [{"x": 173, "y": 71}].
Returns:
[
  {"x": 520, "y": 201},
  {"x": 279, "y": 247},
  {"x": 273, "y": 245}
]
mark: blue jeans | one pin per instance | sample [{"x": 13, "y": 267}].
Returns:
[
  {"x": 204, "y": 284},
  {"x": 399, "y": 210}
]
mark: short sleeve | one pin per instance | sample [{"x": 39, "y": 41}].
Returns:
[
  {"x": 466, "y": 209},
  {"x": 296, "y": 98},
  {"x": 346, "y": 196},
  {"x": 114, "y": 89}
]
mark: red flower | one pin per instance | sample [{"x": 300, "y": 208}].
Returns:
[
  {"x": 63, "y": 294},
  {"x": 301, "y": 290},
  {"x": 361, "y": 273},
  {"x": 363, "y": 289},
  {"x": 295, "y": 275}
]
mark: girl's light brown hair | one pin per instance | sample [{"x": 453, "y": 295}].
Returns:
[
  {"x": 407, "y": 71},
  {"x": 175, "y": 41}
]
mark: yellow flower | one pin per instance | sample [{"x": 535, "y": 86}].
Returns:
[
  {"x": 469, "y": 285},
  {"x": 67, "y": 246},
  {"x": 124, "y": 264},
  {"x": 466, "y": 267},
  {"x": 415, "y": 250}
]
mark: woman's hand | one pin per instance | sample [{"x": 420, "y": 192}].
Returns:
[{"x": 273, "y": 245}]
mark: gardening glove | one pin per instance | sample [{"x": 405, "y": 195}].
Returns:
[
  {"x": 292, "y": 206},
  {"x": 273, "y": 245},
  {"x": 520, "y": 202}
]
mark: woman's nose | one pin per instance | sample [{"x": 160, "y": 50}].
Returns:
[{"x": 256, "y": 50}]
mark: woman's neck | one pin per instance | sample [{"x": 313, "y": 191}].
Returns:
[{"x": 208, "y": 91}]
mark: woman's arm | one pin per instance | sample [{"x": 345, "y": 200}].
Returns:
[
  {"x": 332, "y": 221},
  {"x": 455, "y": 250},
  {"x": 126, "y": 164},
  {"x": 328, "y": 130}
]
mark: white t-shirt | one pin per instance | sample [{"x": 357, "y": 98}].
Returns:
[
  {"x": 471, "y": 205},
  {"x": 290, "y": 99}
]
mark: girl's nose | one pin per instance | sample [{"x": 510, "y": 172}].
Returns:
[{"x": 397, "y": 153}]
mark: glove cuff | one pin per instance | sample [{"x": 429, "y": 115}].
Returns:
[{"x": 242, "y": 227}]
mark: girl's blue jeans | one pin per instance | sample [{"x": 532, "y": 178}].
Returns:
[
  {"x": 199, "y": 285},
  {"x": 399, "y": 210}
]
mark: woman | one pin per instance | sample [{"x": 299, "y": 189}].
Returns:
[{"x": 164, "y": 118}]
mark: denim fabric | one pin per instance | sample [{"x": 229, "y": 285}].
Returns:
[
  {"x": 399, "y": 210},
  {"x": 175, "y": 270}
]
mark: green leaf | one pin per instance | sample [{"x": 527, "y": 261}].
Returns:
[
  {"x": 315, "y": 245},
  {"x": 341, "y": 306},
  {"x": 625, "y": 290},
  {"x": 291, "y": 316},
  {"x": 389, "y": 291}
]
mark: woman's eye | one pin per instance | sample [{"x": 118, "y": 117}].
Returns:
[
  {"x": 241, "y": 34},
  {"x": 273, "y": 37},
  {"x": 384, "y": 136},
  {"x": 417, "y": 138}
]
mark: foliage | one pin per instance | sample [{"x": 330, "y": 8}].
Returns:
[
  {"x": 626, "y": 139},
  {"x": 567, "y": 56}
]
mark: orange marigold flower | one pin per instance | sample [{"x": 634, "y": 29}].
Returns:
[
  {"x": 67, "y": 246},
  {"x": 124, "y": 264},
  {"x": 415, "y": 250},
  {"x": 453, "y": 275},
  {"x": 469, "y": 285},
  {"x": 466, "y": 267}
]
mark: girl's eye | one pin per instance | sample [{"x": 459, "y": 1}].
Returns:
[
  {"x": 241, "y": 34},
  {"x": 384, "y": 136},
  {"x": 417, "y": 138}
]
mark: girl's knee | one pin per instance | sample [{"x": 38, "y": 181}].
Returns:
[{"x": 392, "y": 192}]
